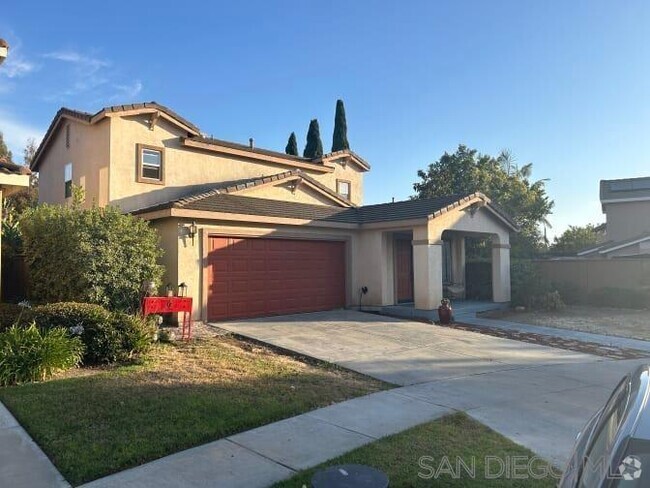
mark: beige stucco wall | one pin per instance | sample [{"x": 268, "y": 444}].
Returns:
[
  {"x": 186, "y": 169},
  {"x": 626, "y": 220},
  {"x": 89, "y": 153},
  {"x": 584, "y": 276}
]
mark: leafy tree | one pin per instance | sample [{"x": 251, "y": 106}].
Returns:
[
  {"x": 29, "y": 152},
  {"x": 292, "y": 145},
  {"x": 575, "y": 238},
  {"x": 95, "y": 255},
  {"x": 314, "y": 147},
  {"x": 467, "y": 171},
  {"x": 4, "y": 150},
  {"x": 340, "y": 137}
]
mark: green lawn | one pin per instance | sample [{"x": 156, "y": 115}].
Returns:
[
  {"x": 453, "y": 436},
  {"x": 93, "y": 423}
]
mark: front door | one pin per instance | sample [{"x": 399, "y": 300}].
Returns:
[{"x": 404, "y": 270}]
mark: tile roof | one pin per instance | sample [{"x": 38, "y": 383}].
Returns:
[
  {"x": 230, "y": 187},
  {"x": 88, "y": 117},
  {"x": 612, "y": 246},
  {"x": 245, "y": 147},
  {"x": 223, "y": 201},
  {"x": 195, "y": 136},
  {"x": 9, "y": 168}
]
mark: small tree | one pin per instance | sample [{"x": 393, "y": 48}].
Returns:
[
  {"x": 575, "y": 238},
  {"x": 96, "y": 255},
  {"x": 340, "y": 137},
  {"x": 292, "y": 145},
  {"x": 467, "y": 171},
  {"x": 314, "y": 147},
  {"x": 4, "y": 150}
]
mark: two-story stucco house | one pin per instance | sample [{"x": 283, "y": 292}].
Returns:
[
  {"x": 254, "y": 232},
  {"x": 626, "y": 205}
]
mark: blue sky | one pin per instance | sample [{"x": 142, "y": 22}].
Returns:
[{"x": 562, "y": 84}]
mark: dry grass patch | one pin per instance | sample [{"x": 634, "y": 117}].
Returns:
[{"x": 98, "y": 421}]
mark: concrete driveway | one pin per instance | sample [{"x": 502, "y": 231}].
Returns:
[{"x": 538, "y": 396}]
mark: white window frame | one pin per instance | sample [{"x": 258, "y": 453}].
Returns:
[
  {"x": 67, "y": 180},
  {"x": 142, "y": 149}
]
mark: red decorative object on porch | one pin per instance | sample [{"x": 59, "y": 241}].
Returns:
[
  {"x": 154, "y": 305},
  {"x": 445, "y": 311}
]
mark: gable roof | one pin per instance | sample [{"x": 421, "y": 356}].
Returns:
[
  {"x": 197, "y": 140},
  {"x": 223, "y": 202},
  {"x": 89, "y": 118}
]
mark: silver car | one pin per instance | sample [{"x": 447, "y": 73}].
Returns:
[{"x": 613, "y": 449}]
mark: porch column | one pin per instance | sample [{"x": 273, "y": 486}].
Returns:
[
  {"x": 427, "y": 273},
  {"x": 500, "y": 271},
  {"x": 458, "y": 260}
]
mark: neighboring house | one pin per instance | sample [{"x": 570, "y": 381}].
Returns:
[
  {"x": 626, "y": 204},
  {"x": 12, "y": 178},
  {"x": 254, "y": 232}
]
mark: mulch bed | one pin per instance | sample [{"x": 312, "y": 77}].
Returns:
[{"x": 595, "y": 348}]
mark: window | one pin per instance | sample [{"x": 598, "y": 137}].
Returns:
[
  {"x": 150, "y": 164},
  {"x": 343, "y": 188},
  {"x": 67, "y": 179}
]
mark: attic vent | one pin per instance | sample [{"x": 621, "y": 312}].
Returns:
[{"x": 67, "y": 136}]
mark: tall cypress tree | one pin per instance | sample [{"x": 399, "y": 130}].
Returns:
[
  {"x": 292, "y": 145},
  {"x": 314, "y": 147},
  {"x": 340, "y": 138}
]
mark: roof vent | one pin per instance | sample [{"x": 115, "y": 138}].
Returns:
[{"x": 251, "y": 143}]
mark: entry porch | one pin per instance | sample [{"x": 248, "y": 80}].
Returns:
[{"x": 409, "y": 267}]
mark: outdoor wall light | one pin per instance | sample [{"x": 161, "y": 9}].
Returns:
[
  {"x": 4, "y": 50},
  {"x": 192, "y": 230},
  {"x": 473, "y": 208}
]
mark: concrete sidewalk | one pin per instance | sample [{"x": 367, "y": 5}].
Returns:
[{"x": 22, "y": 463}]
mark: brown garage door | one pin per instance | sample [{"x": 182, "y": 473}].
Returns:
[{"x": 250, "y": 277}]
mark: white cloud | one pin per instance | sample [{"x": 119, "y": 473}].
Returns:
[
  {"x": 16, "y": 66},
  {"x": 16, "y": 133},
  {"x": 87, "y": 63},
  {"x": 127, "y": 92},
  {"x": 91, "y": 75}
]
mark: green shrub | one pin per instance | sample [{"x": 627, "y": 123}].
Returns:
[
  {"x": 108, "y": 337},
  {"x": 137, "y": 334},
  {"x": 33, "y": 354},
  {"x": 70, "y": 314},
  {"x": 530, "y": 289},
  {"x": 550, "y": 301},
  {"x": 96, "y": 255}
]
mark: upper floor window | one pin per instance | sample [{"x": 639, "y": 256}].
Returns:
[
  {"x": 67, "y": 179},
  {"x": 150, "y": 164},
  {"x": 343, "y": 188}
]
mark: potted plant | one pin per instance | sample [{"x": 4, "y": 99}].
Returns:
[{"x": 444, "y": 311}]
